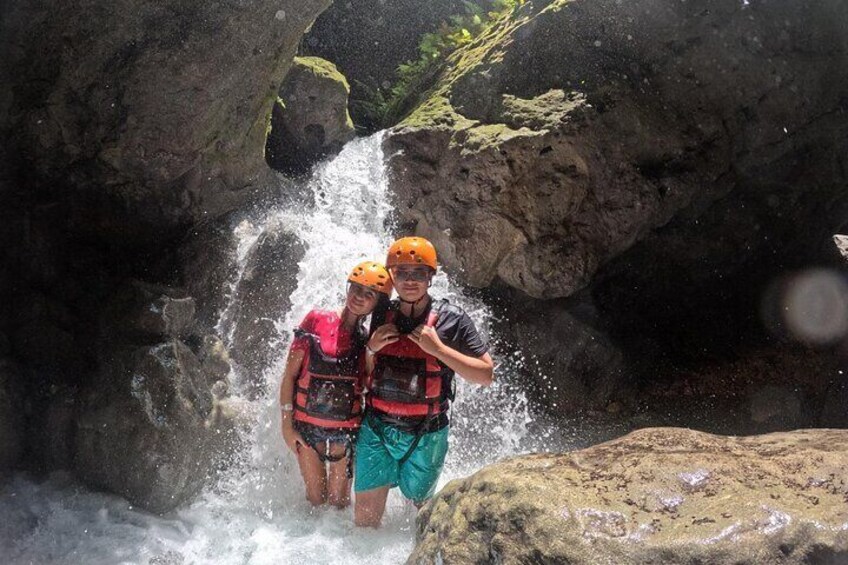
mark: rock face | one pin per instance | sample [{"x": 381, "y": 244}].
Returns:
[
  {"x": 269, "y": 277},
  {"x": 658, "y": 495},
  {"x": 368, "y": 40},
  {"x": 143, "y": 103},
  {"x": 130, "y": 131},
  {"x": 144, "y": 436},
  {"x": 310, "y": 119},
  {"x": 657, "y": 156},
  {"x": 12, "y": 434},
  {"x": 146, "y": 426}
]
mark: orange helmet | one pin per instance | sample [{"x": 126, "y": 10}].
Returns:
[
  {"x": 372, "y": 275},
  {"x": 411, "y": 251}
]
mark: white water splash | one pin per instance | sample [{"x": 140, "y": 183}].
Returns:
[{"x": 258, "y": 514}]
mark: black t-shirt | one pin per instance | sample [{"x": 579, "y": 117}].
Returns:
[{"x": 455, "y": 328}]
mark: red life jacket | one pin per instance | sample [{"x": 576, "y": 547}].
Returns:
[
  {"x": 407, "y": 382},
  {"x": 328, "y": 390}
]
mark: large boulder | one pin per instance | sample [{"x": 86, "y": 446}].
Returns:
[
  {"x": 260, "y": 301},
  {"x": 368, "y": 41},
  {"x": 142, "y": 433},
  {"x": 559, "y": 143},
  {"x": 145, "y": 117},
  {"x": 658, "y": 495},
  {"x": 310, "y": 119},
  {"x": 657, "y": 157}
]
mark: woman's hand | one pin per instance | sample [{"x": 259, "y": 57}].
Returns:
[
  {"x": 292, "y": 438},
  {"x": 384, "y": 335}
]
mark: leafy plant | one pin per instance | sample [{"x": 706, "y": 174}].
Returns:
[{"x": 458, "y": 30}]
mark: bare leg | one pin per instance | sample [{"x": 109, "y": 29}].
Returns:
[
  {"x": 370, "y": 506},
  {"x": 314, "y": 475},
  {"x": 338, "y": 483}
]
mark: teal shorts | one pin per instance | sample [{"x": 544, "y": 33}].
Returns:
[{"x": 379, "y": 449}]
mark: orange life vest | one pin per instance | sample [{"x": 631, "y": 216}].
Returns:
[
  {"x": 407, "y": 382},
  {"x": 328, "y": 390}
]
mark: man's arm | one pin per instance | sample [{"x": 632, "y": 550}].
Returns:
[{"x": 478, "y": 370}]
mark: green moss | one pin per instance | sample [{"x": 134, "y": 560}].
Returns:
[
  {"x": 547, "y": 110},
  {"x": 435, "y": 109},
  {"x": 322, "y": 68},
  {"x": 488, "y": 136}
]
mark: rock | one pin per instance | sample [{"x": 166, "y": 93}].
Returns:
[
  {"x": 570, "y": 365},
  {"x": 143, "y": 311},
  {"x": 565, "y": 144},
  {"x": 630, "y": 152},
  {"x": 51, "y": 428},
  {"x": 368, "y": 40},
  {"x": 310, "y": 119},
  {"x": 834, "y": 410},
  {"x": 260, "y": 299},
  {"x": 153, "y": 144},
  {"x": 657, "y": 495},
  {"x": 12, "y": 433},
  {"x": 214, "y": 359},
  {"x": 209, "y": 264},
  {"x": 141, "y": 429},
  {"x": 841, "y": 242}
]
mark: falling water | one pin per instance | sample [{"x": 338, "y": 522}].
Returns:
[{"x": 258, "y": 513}]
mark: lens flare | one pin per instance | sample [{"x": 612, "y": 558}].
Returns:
[{"x": 815, "y": 307}]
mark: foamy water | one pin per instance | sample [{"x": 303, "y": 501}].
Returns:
[{"x": 257, "y": 513}]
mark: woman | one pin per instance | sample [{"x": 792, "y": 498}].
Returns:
[{"x": 320, "y": 395}]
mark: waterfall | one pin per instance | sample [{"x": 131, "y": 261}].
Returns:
[{"x": 257, "y": 513}]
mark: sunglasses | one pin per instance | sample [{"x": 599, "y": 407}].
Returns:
[
  {"x": 362, "y": 292},
  {"x": 417, "y": 275}
]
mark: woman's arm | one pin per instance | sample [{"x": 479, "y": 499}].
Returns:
[{"x": 293, "y": 364}]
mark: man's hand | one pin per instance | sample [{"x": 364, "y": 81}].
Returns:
[
  {"x": 427, "y": 339},
  {"x": 382, "y": 336},
  {"x": 292, "y": 438}
]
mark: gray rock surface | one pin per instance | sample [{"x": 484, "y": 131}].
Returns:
[
  {"x": 142, "y": 433},
  {"x": 144, "y": 311},
  {"x": 656, "y": 157},
  {"x": 12, "y": 432},
  {"x": 144, "y": 103},
  {"x": 310, "y": 120},
  {"x": 657, "y": 495},
  {"x": 561, "y": 142},
  {"x": 262, "y": 293}
]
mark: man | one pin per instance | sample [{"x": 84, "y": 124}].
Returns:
[{"x": 412, "y": 359}]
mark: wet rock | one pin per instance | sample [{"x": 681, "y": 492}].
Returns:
[
  {"x": 141, "y": 430},
  {"x": 660, "y": 495},
  {"x": 367, "y": 40},
  {"x": 125, "y": 101},
  {"x": 841, "y": 242},
  {"x": 834, "y": 410},
  {"x": 262, "y": 297},
  {"x": 51, "y": 428},
  {"x": 214, "y": 358},
  {"x": 12, "y": 432},
  {"x": 143, "y": 311},
  {"x": 776, "y": 408},
  {"x": 570, "y": 364},
  {"x": 310, "y": 119},
  {"x": 207, "y": 256},
  {"x": 629, "y": 150}
]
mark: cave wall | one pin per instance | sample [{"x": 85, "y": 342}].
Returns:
[{"x": 130, "y": 130}]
